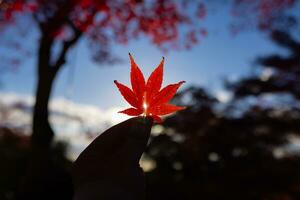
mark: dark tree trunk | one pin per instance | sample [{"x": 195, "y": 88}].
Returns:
[
  {"x": 42, "y": 132},
  {"x": 45, "y": 178}
]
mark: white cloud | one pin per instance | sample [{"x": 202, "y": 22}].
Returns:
[
  {"x": 73, "y": 122},
  {"x": 223, "y": 96}
]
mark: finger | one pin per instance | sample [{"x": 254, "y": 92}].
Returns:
[{"x": 113, "y": 156}]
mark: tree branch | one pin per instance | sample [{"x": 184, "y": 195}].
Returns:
[
  {"x": 66, "y": 46},
  {"x": 36, "y": 19},
  {"x": 55, "y": 22}
]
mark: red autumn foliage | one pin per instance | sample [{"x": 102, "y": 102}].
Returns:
[
  {"x": 119, "y": 20},
  {"x": 106, "y": 21},
  {"x": 147, "y": 97}
]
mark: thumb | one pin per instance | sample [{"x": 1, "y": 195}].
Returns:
[{"x": 111, "y": 161}]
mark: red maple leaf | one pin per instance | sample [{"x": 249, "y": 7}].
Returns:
[{"x": 146, "y": 97}]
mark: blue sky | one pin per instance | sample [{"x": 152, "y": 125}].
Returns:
[{"x": 220, "y": 55}]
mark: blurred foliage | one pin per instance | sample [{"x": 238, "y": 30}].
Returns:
[
  {"x": 239, "y": 150},
  {"x": 15, "y": 155}
]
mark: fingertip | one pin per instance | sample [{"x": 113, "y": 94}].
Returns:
[{"x": 148, "y": 121}]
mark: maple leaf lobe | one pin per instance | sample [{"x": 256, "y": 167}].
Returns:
[
  {"x": 154, "y": 81},
  {"x": 127, "y": 93},
  {"x": 137, "y": 79},
  {"x": 166, "y": 94},
  {"x": 131, "y": 111}
]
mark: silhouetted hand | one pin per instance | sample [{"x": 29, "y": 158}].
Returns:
[{"x": 108, "y": 168}]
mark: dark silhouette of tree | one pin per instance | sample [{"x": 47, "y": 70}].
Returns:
[
  {"x": 14, "y": 153},
  {"x": 276, "y": 119},
  {"x": 283, "y": 70},
  {"x": 241, "y": 150}
]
